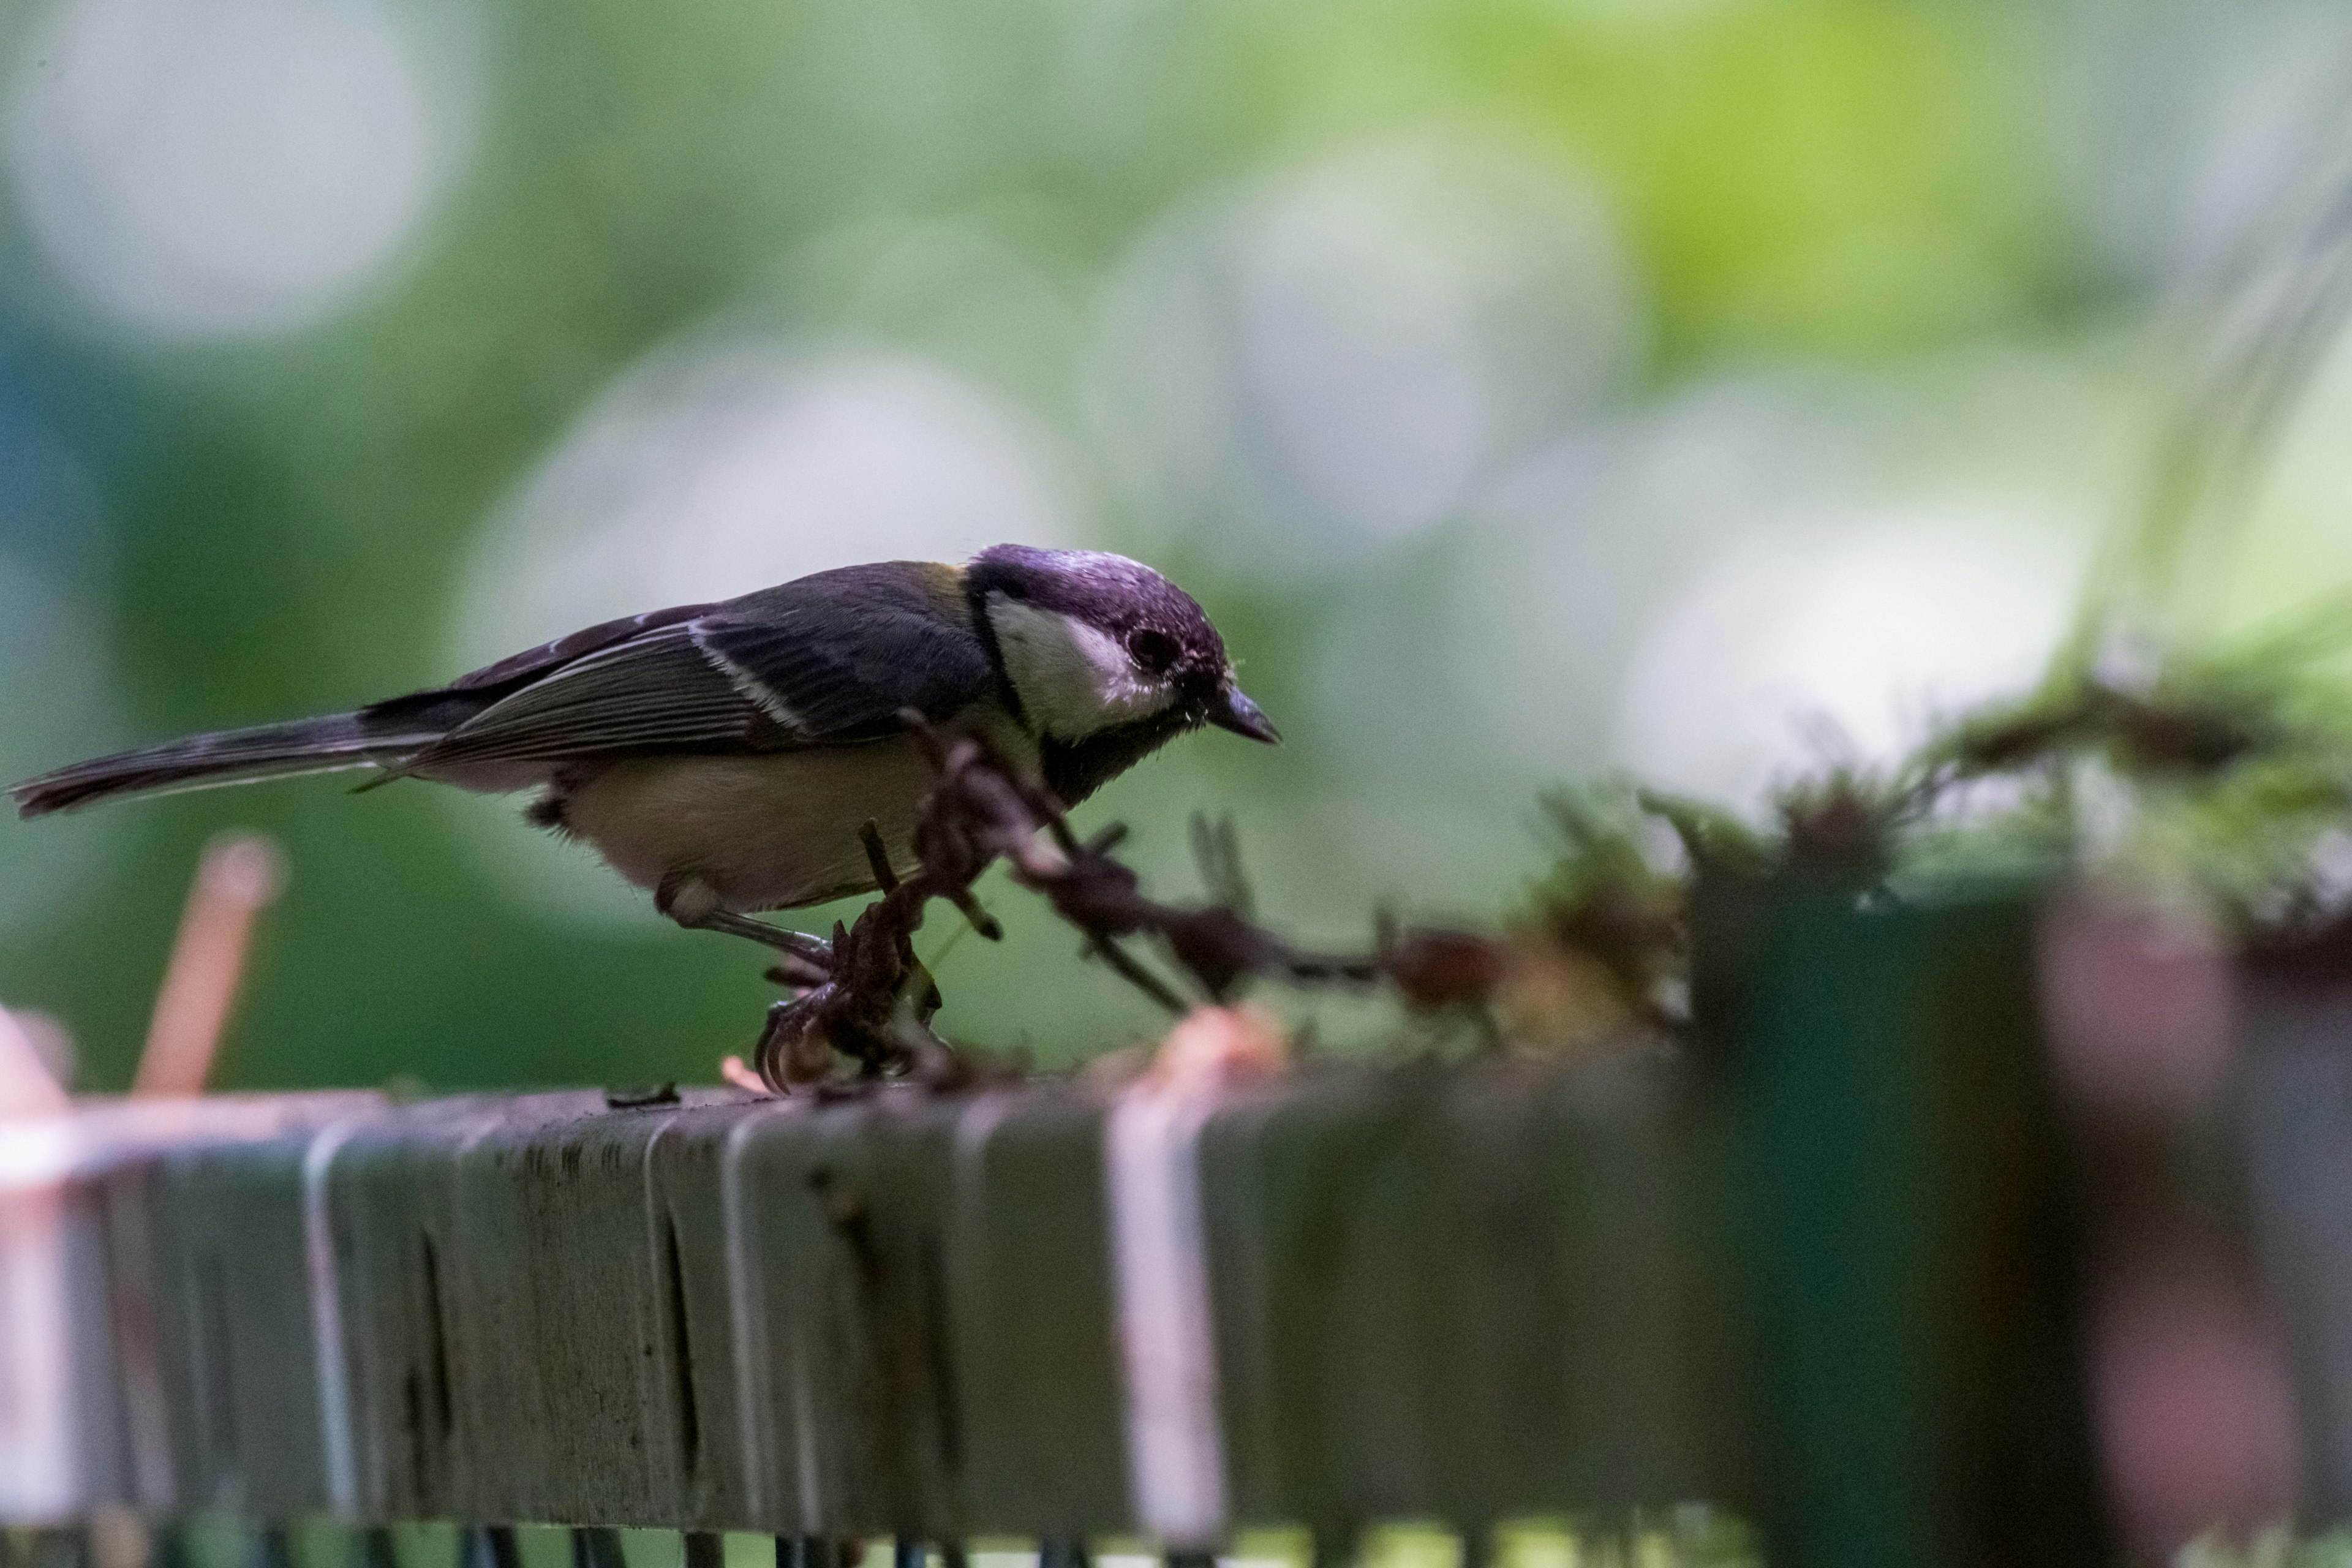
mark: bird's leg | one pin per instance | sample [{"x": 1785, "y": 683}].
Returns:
[
  {"x": 692, "y": 903},
  {"x": 799, "y": 944}
]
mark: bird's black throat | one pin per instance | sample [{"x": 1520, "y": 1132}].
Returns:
[{"x": 1075, "y": 769}]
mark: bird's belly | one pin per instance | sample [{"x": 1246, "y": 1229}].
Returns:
[{"x": 767, "y": 832}]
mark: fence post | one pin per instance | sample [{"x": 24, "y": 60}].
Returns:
[{"x": 1901, "y": 1178}]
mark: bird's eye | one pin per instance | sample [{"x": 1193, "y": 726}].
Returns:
[{"x": 1153, "y": 651}]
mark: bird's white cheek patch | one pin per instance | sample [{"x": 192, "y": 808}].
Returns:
[{"x": 1072, "y": 679}]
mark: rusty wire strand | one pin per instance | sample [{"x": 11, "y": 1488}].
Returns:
[{"x": 863, "y": 994}]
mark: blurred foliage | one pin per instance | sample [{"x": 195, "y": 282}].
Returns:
[
  {"x": 1835, "y": 175},
  {"x": 281, "y": 522},
  {"x": 2224, "y": 790}
]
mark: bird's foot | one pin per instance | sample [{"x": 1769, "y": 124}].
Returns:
[{"x": 863, "y": 995}]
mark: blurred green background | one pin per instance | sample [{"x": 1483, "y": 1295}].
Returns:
[{"x": 1527, "y": 387}]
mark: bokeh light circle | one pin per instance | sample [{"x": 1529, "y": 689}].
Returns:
[
  {"x": 209, "y": 168},
  {"x": 1794, "y": 651},
  {"x": 1325, "y": 362},
  {"x": 1566, "y": 569}
]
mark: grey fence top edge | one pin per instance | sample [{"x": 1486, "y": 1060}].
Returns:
[{"x": 893, "y": 1312}]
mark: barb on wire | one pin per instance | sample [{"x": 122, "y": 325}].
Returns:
[{"x": 865, "y": 996}]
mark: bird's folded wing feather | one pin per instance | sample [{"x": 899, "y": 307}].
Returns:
[
  {"x": 744, "y": 677},
  {"x": 548, "y": 656}
]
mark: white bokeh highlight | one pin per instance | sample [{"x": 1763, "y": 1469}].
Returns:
[
  {"x": 1565, "y": 570},
  {"x": 1325, "y": 362},
  {"x": 218, "y": 168},
  {"x": 1794, "y": 651},
  {"x": 714, "y": 468}
]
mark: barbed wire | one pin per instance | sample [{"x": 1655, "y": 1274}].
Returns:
[{"x": 863, "y": 994}]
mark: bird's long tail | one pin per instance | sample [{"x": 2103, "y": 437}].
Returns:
[{"x": 226, "y": 757}]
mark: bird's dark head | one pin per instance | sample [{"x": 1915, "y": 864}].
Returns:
[{"x": 1095, "y": 645}]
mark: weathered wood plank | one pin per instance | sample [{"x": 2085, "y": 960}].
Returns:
[
  {"x": 85, "y": 1401},
  {"x": 239, "y": 1328},
  {"x": 1466, "y": 1292},
  {"x": 427, "y": 1375},
  {"x": 1454, "y": 1294},
  {"x": 1030, "y": 1282}
]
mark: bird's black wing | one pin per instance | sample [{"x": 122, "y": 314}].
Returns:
[
  {"x": 837, "y": 655},
  {"x": 825, "y": 660},
  {"x": 442, "y": 709},
  {"x": 532, "y": 663}
]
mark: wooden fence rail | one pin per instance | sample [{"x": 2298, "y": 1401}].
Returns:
[
  {"x": 898, "y": 1314},
  {"x": 1822, "y": 1266}
]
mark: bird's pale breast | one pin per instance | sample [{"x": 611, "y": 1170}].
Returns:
[{"x": 770, "y": 832}]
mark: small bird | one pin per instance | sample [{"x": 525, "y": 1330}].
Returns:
[{"x": 726, "y": 756}]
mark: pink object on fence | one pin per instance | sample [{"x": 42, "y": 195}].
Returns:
[
  {"x": 27, "y": 1087},
  {"x": 240, "y": 875}
]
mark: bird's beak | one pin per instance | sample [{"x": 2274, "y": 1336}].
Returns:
[{"x": 1233, "y": 711}]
